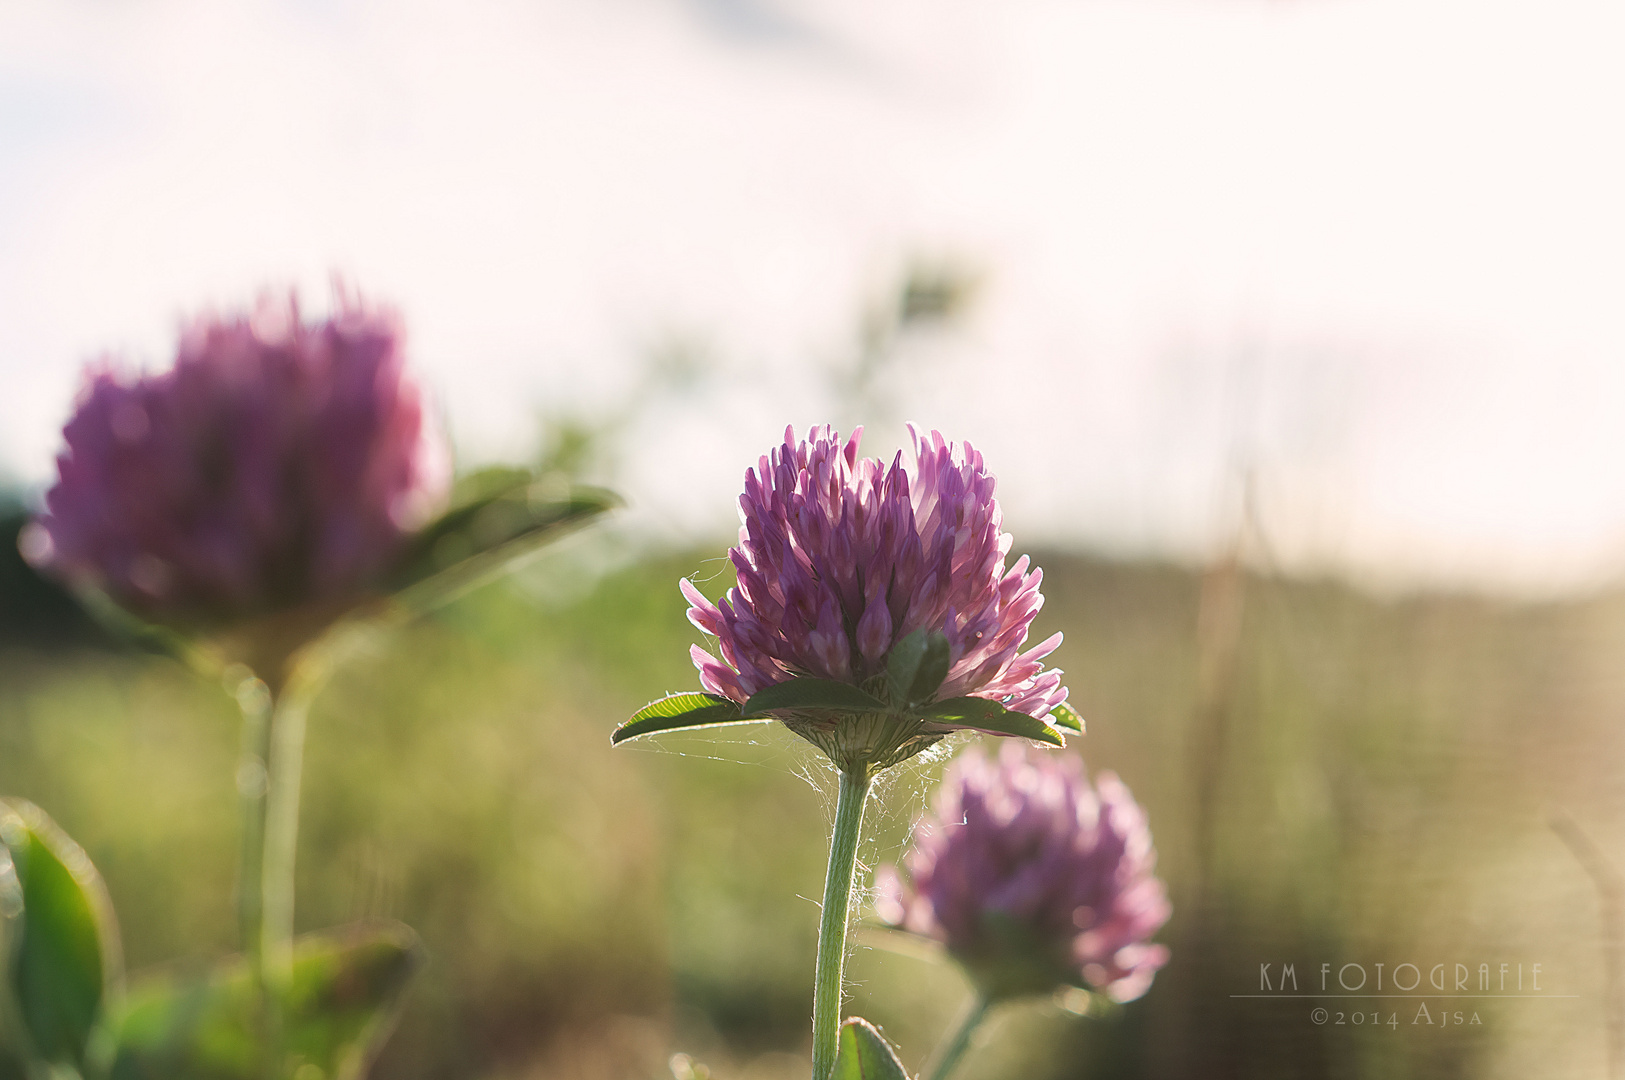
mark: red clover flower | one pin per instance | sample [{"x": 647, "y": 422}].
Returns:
[
  {"x": 889, "y": 579},
  {"x": 1032, "y": 880},
  {"x": 280, "y": 465}
]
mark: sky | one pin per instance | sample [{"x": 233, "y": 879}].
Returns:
[{"x": 1365, "y": 253}]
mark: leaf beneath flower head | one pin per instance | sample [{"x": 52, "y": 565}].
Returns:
[
  {"x": 917, "y": 665},
  {"x": 129, "y": 629},
  {"x": 338, "y": 1008},
  {"x": 64, "y": 942},
  {"x": 991, "y": 717},
  {"x": 1065, "y": 716},
  {"x": 863, "y": 1054},
  {"x": 500, "y": 514},
  {"x": 681, "y": 711},
  {"x": 796, "y": 694}
]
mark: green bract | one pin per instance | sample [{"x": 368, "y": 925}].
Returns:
[{"x": 870, "y": 727}]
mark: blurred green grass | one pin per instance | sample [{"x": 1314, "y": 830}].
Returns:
[{"x": 1378, "y": 773}]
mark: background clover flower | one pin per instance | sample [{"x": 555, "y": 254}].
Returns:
[
  {"x": 280, "y": 463},
  {"x": 1033, "y": 880},
  {"x": 841, "y": 559}
]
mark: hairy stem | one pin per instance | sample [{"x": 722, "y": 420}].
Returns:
[
  {"x": 954, "y": 1047},
  {"x": 829, "y": 977}
]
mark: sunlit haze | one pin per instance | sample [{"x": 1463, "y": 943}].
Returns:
[{"x": 1366, "y": 252}]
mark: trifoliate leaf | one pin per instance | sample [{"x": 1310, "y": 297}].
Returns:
[
  {"x": 500, "y": 514},
  {"x": 991, "y": 717},
  {"x": 681, "y": 711}
]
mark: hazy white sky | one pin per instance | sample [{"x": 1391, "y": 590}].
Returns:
[{"x": 1375, "y": 249}]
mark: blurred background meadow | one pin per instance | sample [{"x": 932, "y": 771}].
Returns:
[{"x": 1290, "y": 329}]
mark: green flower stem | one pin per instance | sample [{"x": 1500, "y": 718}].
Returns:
[
  {"x": 282, "y": 828},
  {"x": 954, "y": 1047},
  {"x": 253, "y": 791},
  {"x": 268, "y": 779},
  {"x": 843, "y": 858},
  {"x": 253, "y": 776}
]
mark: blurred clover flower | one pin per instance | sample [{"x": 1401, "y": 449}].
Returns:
[
  {"x": 281, "y": 475},
  {"x": 279, "y": 465},
  {"x": 1032, "y": 881},
  {"x": 251, "y": 495},
  {"x": 874, "y": 615}
]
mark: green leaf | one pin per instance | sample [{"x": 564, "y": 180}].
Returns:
[
  {"x": 65, "y": 954},
  {"x": 491, "y": 482},
  {"x": 991, "y": 717},
  {"x": 499, "y": 515},
  {"x": 337, "y": 1010},
  {"x": 1066, "y": 717},
  {"x": 681, "y": 711},
  {"x": 798, "y": 694},
  {"x": 917, "y": 665},
  {"x": 129, "y": 629},
  {"x": 863, "y": 1054}
]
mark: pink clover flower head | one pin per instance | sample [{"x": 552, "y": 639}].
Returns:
[
  {"x": 841, "y": 557},
  {"x": 279, "y": 464},
  {"x": 1032, "y": 879}
]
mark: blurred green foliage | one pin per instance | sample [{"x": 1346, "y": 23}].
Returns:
[
  {"x": 1381, "y": 771},
  {"x": 61, "y": 940},
  {"x": 337, "y": 1008}
]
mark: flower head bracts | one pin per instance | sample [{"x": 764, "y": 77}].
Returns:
[
  {"x": 278, "y": 463},
  {"x": 840, "y": 558},
  {"x": 1032, "y": 880}
]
